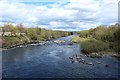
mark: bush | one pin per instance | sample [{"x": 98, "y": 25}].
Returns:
[
  {"x": 19, "y": 34},
  {"x": 99, "y": 39},
  {"x": 8, "y": 41},
  {"x": 92, "y": 45}
]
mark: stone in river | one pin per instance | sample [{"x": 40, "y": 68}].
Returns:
[
  {"x": 78, "y": 57},
  {"x": 79, "y": 61},
  {"x": 90, "y": 63},
  {"x": 83, "y": 59},
  {"x": 98, "y": 62},
  {"x": 83, "y": 62},
  {"x": 76, "y": 61},
  {"x": 71, "y": 43},
  {"x": 70, "y": 57},
  {"x": 72, "y": 61},
  {"x": 87, "y": 55},
  {"x": 106, "y": 65}
]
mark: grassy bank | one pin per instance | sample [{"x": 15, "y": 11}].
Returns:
[
  {"x": 18, "y": 34},
  {"x": 99, "y": 39},
  {"x": 90, "y": 45}
]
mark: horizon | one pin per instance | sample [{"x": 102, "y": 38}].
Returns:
[{"x": 67, "y": 15}]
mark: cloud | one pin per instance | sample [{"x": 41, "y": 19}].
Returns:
[{"x": 66, "y": 15}]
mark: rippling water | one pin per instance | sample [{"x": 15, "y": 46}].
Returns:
[{"x": 51, "y": 61}]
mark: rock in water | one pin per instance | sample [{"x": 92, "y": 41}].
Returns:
[
  {"x": 78, "y": 57},
  {"x": 82, "y": 59},
  {"x": 76, "y": 61},
  {"x": 93, "y": 55},
  {"x": 90, "y": 63},
  {"x": 72, "y": 61},
  {"x": 70, "y": 57},
  {"x": 79, "y": 61},
  {"x": 98, "y": 62},
  {"x": 71, "y": 43},
  {"x": 87, "y": 55},
  {"x": 106, "y": 65},
  {"x": 83, "y": 62}
]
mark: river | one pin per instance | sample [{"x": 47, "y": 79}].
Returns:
[{"x": 52, "y": 61}]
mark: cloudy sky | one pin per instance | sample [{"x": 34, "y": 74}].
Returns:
[{"x": 69, "y": 15}]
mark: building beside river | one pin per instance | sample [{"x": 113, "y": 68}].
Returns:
[{"x": 3, "y": 33}]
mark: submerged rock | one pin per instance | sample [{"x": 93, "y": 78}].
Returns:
[
  {"x": 79, "y": 61},
  {"x": 83, "y": 59},
  {"x": 72, "y": 61},
  {"x": 70, "y": 57},
  {"x": 98, "y": 62},
  {"x": 106, "y": 65},
  {"x": 83, "y": 62},
  {"x": 75, "y": 61}
]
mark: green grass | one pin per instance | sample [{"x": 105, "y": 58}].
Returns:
[
  {"x": 77, "y": 39},
  {"x": 8, "y": 41},
  {"x": 12, "y": 40},
  {"x": 90, "y": 45}
]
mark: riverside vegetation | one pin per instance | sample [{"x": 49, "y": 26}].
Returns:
[
  {"x": 100, "y": 39},
  {"x": 18, "y": 34}
]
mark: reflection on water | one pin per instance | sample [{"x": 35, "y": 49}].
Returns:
[{"x": 51, "y": 60}]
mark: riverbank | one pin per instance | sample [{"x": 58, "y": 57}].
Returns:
[
  {"x": 33, "y": 43},
  {"x": 99, "y": 39},
  {"x": 19, "y": 35},
  {"x": 25, "y": 44},
  {"x": 94, "y": 48},
  {"x": 11, "y": 42}
]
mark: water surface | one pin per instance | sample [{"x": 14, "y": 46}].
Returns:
[{"x": 51, "y": 61}]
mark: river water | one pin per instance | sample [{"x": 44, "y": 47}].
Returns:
[{"x": 52, "y": 61}]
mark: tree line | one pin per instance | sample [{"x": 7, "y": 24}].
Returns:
[
  {"x": 13, "y": 34},
  {"x": 100, "y": 38}
]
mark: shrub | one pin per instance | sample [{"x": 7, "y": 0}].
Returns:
[{"x": 92, "y": 45}]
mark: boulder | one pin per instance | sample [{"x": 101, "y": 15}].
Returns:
[{"x": 95, "y": 55}]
